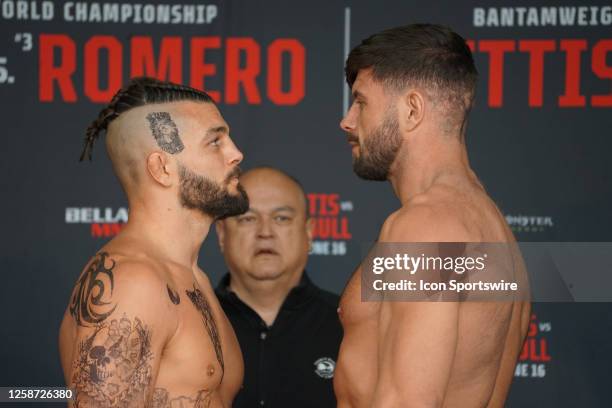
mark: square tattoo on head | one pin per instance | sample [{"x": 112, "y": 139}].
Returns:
[{"x": 165, "y": 132}]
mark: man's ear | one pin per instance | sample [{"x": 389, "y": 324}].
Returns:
[
  {"x": 309, "y": 229},
  {"x": 159, "y": 168},
  {"x": 412, "y": 109},
  {"x": 220, "y": 228}
]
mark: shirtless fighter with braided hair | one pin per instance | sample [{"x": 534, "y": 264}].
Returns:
[{"x": 143, "y": 326}]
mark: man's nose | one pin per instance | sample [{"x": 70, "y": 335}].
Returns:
[
  {"x": 348, "y": 121},
  {"x": 235, "y": 156},
  {"x": 264, "y": 229}
]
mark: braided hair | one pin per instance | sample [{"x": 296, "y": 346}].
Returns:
[{"x": 138, "y": 92}]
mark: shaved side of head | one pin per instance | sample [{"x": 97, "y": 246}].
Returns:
[
  {"x": 129, "y": 142},
  {"x": 137, "y": 120}
]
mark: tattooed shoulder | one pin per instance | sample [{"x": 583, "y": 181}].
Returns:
[
  {"x": 91, "y": 300},
  {"x": 107, "y": 283}
]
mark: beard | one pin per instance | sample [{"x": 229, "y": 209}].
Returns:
[
  {"x": 379, "y": 150},
  {"x": 214, "y": 199}
]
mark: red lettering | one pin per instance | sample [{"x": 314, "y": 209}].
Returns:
[
  {"x": 199, "y": 69},
  {"x": 317, "y": 203},
  {"x": 320, "y": 228},
  {"x": 312, "y": 203},
  {"x": 165, "y": 60},
  {"x": 103, "y": 230},
  {"x": 602, "y": 70},
  {"x": 234, "y": 75},
  {"x": 170, "y": 62},
  {"x": 92, "y": 66},
  {"x": 544, "y": 350},
  {"x": 328, "y": 227},
  {"x": 538, "y": 354},
  {"x": 48, "y": 73},
  {"x": 536, "y": 50},
  {"x": 332, "y": 204},
  {"x": 496, "y": 50},
  {"x": 297, "y": 71},
  {"x": 573, "y": 49},
  {"x": 344, "y": 230}
]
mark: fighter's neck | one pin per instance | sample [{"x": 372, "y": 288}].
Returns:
[
  {"x": 418, "y": 168},
  {"x": 175, "y": 234},
  {"x": 264, "y": 297}
]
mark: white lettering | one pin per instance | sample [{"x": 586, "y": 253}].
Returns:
[
  {"x": 507, "y": 17},
  {"x": 532, "y": 17},
  {"x": 582, "y": 12},
  {"x": 549, "y": 16}
]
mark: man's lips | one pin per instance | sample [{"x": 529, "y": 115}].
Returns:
[
  {"x": 265, "y": 251},
  {"x": 353, "y": 141},
  {"x": 233, "y": 175}
]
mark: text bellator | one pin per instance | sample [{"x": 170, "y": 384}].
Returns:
[{"x": 452, "y": 285}]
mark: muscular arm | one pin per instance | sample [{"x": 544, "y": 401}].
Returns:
[
  {"x": 417, "y": 340},
  {"x": 121, "y": 330},
  {"x": 416, "y": 351}
]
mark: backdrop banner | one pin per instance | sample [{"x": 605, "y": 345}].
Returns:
[{"x": 538, "y": 138}]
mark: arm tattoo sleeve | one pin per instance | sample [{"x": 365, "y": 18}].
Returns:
[
  {"x": 161, "y": 399},
  {"x": 112, "y": 367},
  {"x": 90, "y": 303},
  {"x": 199, "y": 301},
  {"x": 165, "y": 132}
]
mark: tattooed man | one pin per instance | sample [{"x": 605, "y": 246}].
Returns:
[{"x": 143, "y": 327}]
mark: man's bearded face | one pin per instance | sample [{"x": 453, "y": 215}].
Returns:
[
  {"x": 379, "y": 149},
  {"x": 211, "y": 198}
]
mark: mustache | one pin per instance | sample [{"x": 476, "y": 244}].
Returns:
[
  {"x": 236, "y": 172},
  {"x": 352, "y": 138}
]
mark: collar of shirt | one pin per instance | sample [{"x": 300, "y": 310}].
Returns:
[{"x": 296, "y": 298}]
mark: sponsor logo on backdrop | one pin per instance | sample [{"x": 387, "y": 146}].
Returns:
[
  {"x": 103, "y": 222},
  {"x": 529, "y": 223},
  {"x": 330, "y": 215},
  {"x": 575, "y": 57},
  {"x": 535, "y": 355}
]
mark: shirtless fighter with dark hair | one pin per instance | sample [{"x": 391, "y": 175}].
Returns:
[
  {"x": 413, "y": 87},
  {"x": 143, "y": 326}
]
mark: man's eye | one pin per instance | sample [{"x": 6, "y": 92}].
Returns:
[
  {"x": 216, "y": 142},
  {"x": 246, "y": 220},
  {"x": 282, "y": 218}
]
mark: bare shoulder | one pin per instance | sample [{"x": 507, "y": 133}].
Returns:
[
  {"x": 424, "y": 220},
  {"x": 114, "y": 281},
  {"x": 121, "y": 327}
]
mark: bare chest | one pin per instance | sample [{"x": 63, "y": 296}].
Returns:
[
  {"x": 354, "y": 311},
  {"x": 196, "y": 355}
]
